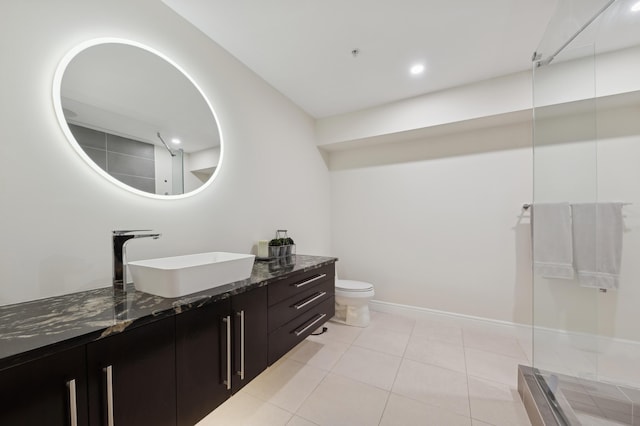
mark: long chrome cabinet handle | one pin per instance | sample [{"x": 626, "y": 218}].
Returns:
[
  {"x": 241, "y": 372},
  {"x": 309, "y": 281},
  {"x": 227, "y": 382},
  {"x": 73, "y": 403},
  {"x": 108, "y": 371},
  {"x": 318, "y": 295},
  {"x": 299, "y": 332}
]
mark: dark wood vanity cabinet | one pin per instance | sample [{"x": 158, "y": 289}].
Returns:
[
  {"x": 173, "y": 370},
  {"x": 298, "y": 305},
  {"x": 201, "y": 360},
  {"x": 249, "y": 312},
  {"x": 48, "y": 391},
  {"x": 132, "y": 376},
  {"x": 219, "y": 349}
]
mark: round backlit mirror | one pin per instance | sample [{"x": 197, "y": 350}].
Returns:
[{"x": 137, "y": 118}]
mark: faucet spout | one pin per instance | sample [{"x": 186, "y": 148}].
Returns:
[{"x": 120, "y": 238}]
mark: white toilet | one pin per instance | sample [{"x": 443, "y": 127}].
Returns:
[{"x": 352, "y": 302}]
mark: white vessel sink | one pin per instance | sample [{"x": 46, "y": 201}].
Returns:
[{"x": 181, "y": 275}]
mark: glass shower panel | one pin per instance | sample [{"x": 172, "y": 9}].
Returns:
[
  {"x": 565, "y": 173},
  {"x": 617, "y": 49},
  {"x": 586, "y": 341}
]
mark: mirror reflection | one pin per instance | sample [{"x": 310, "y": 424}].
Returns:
[{"x": 138, "y": 119}]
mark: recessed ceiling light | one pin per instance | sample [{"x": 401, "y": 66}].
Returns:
[
  {"x": 417, "y": 69},
  {"x": 635, "y": 7},
  {"x": 176, "y": 141}
]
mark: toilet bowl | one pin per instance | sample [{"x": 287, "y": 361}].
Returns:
[{"x": 352, "y": 302}]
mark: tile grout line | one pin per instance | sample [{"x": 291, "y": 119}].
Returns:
[
  {"x": 395, "y": 378},
  {"x": 329, "y": 371},
  {"x": 389, "y": 392},
  {"x": 348, "y": 344},
  {"x": 386, "y": 403},
  {"x": 403, "y": 357},
  {"x": 466, "y": 371},
  {"x": 430, "y": 364}
]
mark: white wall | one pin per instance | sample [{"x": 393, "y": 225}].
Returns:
[
  {"x": 204, "y": 159},
  {"x": 199, "y": 166},
  {"x": 587, "y": 163},
  {"x": 57, "y": 214},
  {"x": 606, "y": 74},
  {"x": 587, "y": 150},
  {"x": 435, "y": 223},
  {"x": 564, "y": 81},
  {"x": 444, "y": 177},
  {"x": 485, "y": 98},
  {"x": 427, "y": 195}
]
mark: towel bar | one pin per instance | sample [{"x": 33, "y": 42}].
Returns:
[{"x": 526, "y": 206}]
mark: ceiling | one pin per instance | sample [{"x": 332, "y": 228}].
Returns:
[{"x": 303, "y": 48}]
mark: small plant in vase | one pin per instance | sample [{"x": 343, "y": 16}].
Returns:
[
  {"x": 274, "y": 247},
  {"x": 288, "y": 245}
]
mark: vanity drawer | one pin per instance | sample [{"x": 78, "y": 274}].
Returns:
[
  {"x": 299, "y": 283},
  {"x": 294, "y": 332},
  {"x": 306, "y": 300}
]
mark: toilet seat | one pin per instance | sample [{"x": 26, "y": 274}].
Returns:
[
  {"x": 356, "y": 289},
  {"x": 350, "y": 285}
]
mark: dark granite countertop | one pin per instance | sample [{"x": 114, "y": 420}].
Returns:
[{"x": 33, "y": 329}]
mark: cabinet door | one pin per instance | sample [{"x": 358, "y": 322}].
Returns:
[
  {"x": 132, "y": 376},
  {"x": 202, "y": 360},
  {"x": 48, "y": 391},
  {"x": 250, "y": 336}
]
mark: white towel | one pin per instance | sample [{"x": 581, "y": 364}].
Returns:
[
  {"x": 552, "y": 241},
  {"x": 597, "y": 241}
]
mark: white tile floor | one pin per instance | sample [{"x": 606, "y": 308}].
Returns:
[{"x": 396, "y": 372}]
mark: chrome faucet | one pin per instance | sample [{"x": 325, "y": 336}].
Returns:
[{"x": 120, "y": 240}]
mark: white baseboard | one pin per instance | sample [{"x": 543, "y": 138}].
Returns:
[
  {"x": 616, "y": 358},
  {"x": 418, "y": 312}
]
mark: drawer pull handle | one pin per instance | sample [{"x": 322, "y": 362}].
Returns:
[
  {"x": 227, "y": 320},
  {"x": 317, "y": 320},
  {"x": 242, "y": 336},
  {"x": 309, "y": 281},
  {"x": 109, "y": 375},
  {"x": 313, "y": 299},
  {"x": 73, "y": 406}
]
